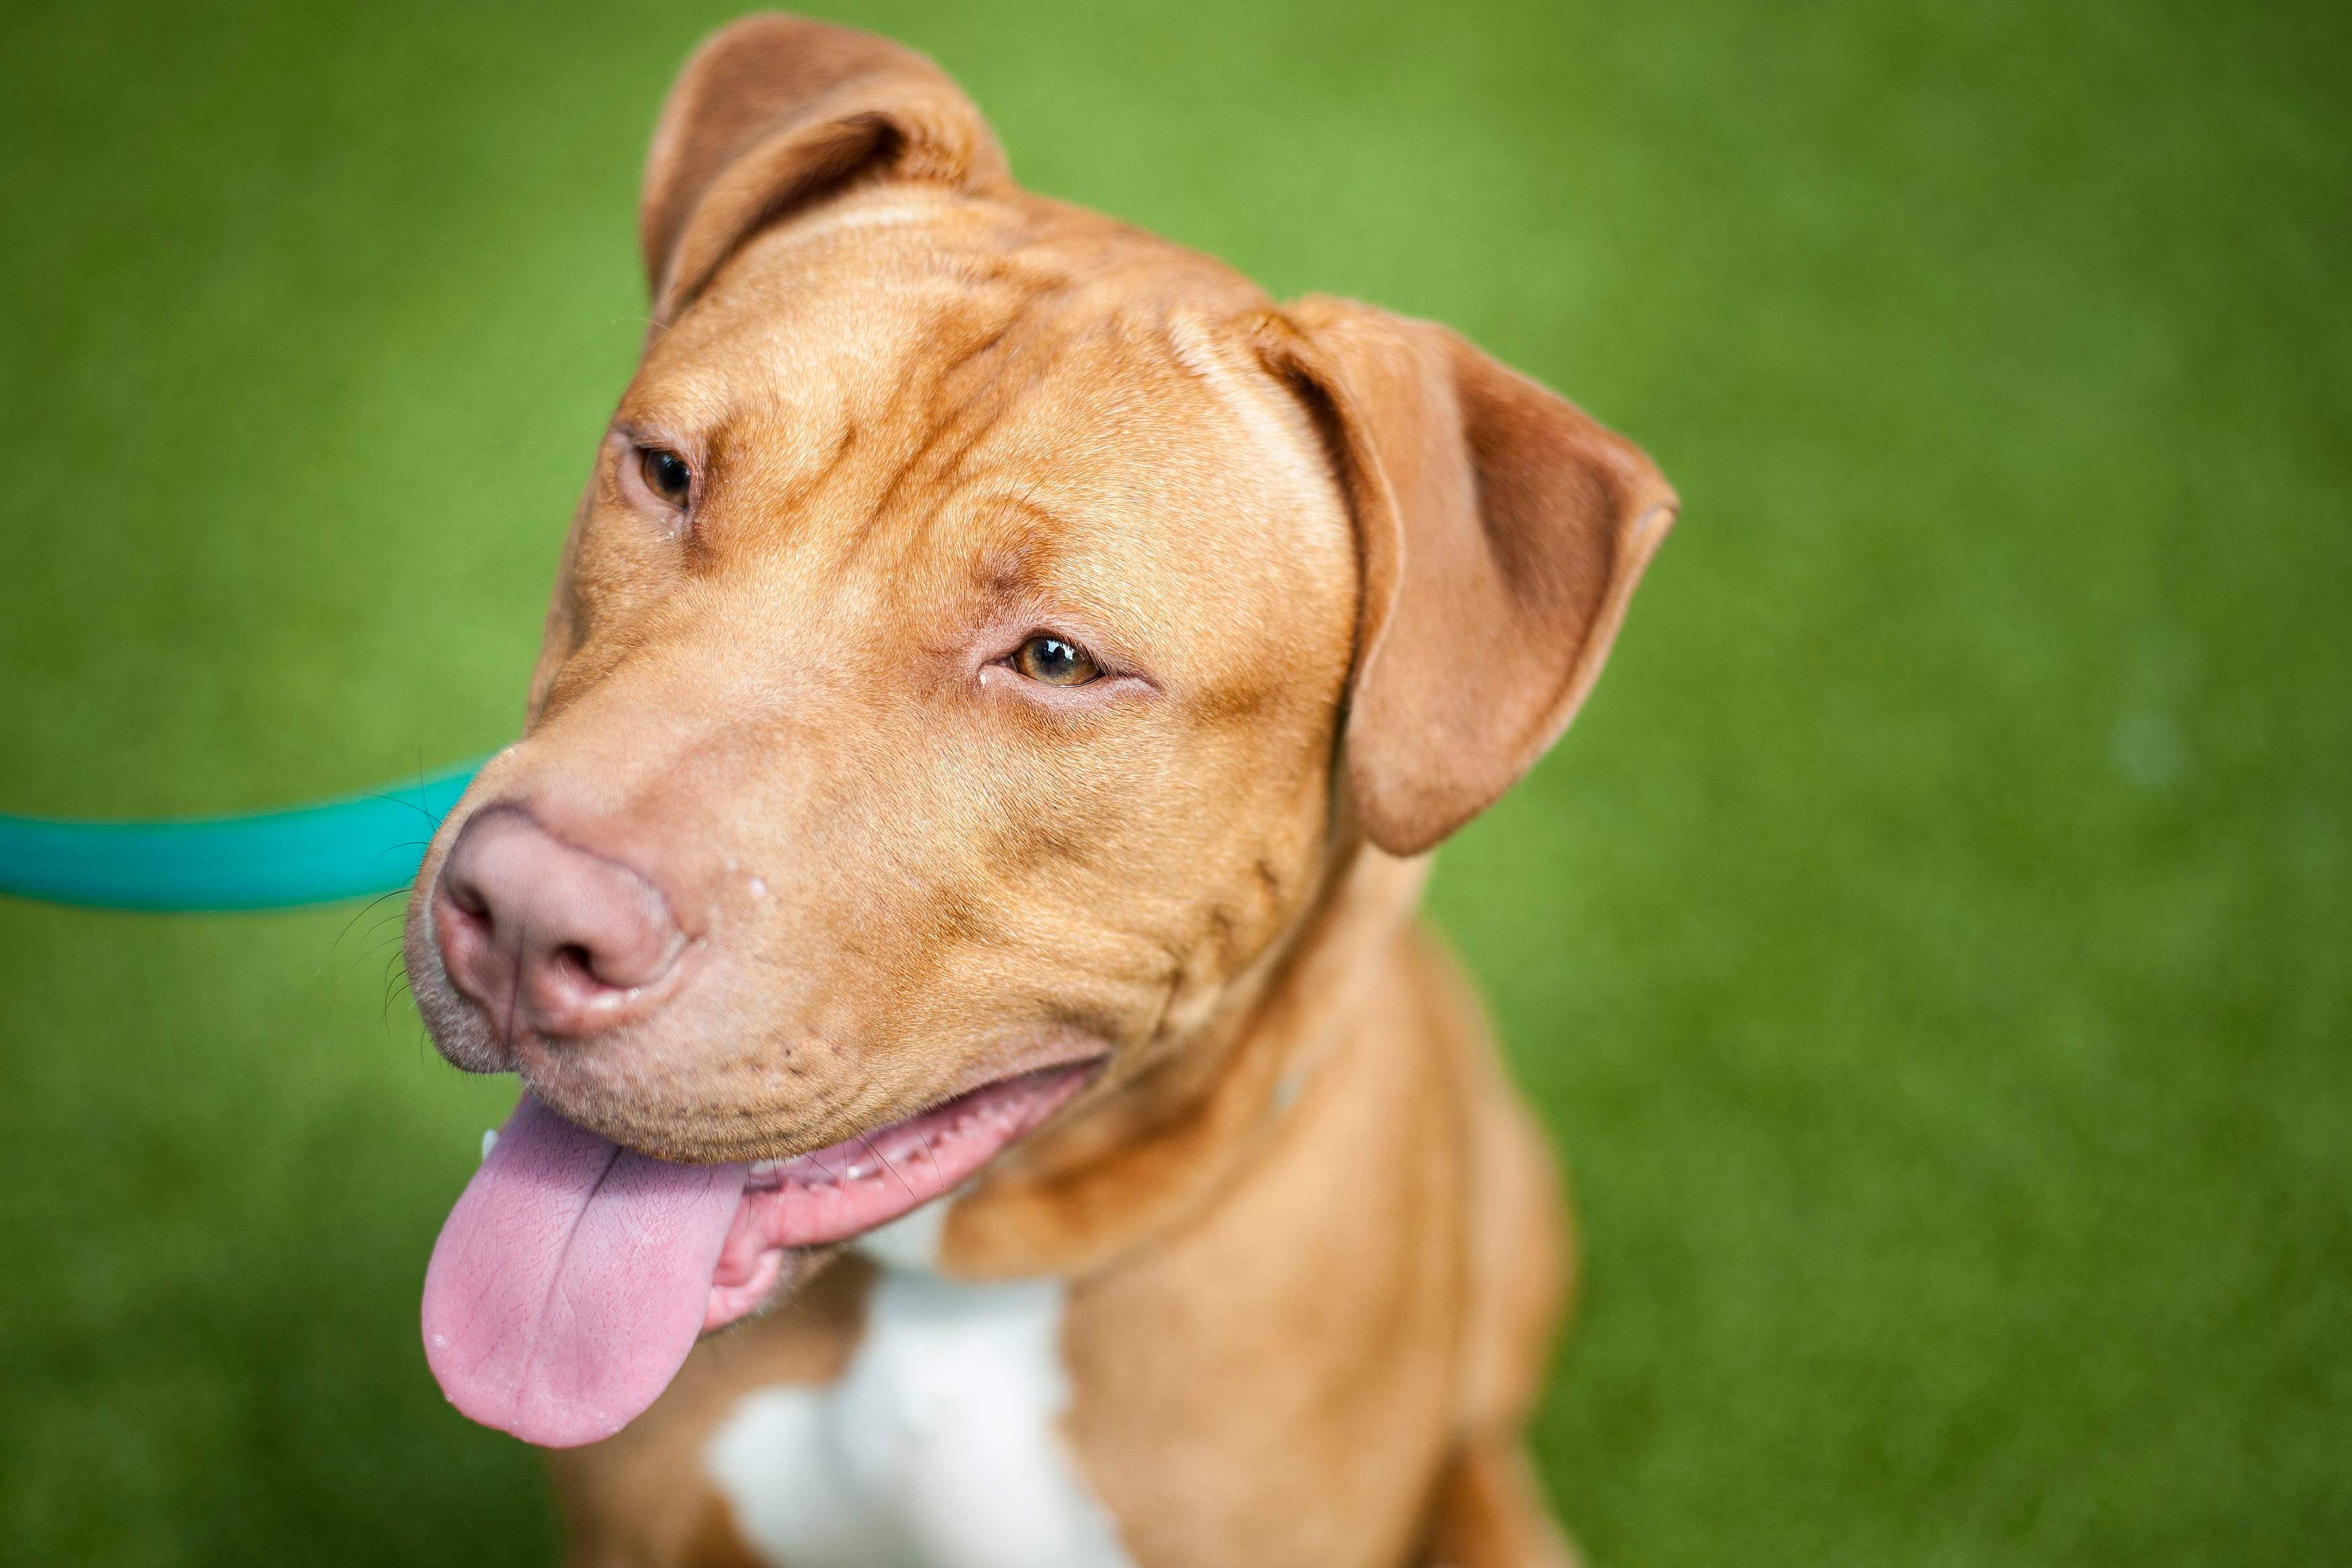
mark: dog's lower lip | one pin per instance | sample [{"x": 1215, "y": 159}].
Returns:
[
  {"x": 839, "y": 1193},
  {"x": 875, "y": 1154}
]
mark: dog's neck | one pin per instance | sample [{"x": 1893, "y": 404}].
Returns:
[{"x": 1146, "y": 1157}]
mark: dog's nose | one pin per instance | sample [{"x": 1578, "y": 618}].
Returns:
[{"x": 544, "y": 936}]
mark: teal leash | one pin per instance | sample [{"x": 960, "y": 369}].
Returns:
[{"x": 319, "y": 854}]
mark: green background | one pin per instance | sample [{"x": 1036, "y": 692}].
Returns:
[{"x": 1930, "y": 946}]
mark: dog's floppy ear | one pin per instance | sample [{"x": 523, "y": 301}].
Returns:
[
  {"x": 773, "y": 112},
  {"x": 1501, "y": 532}
]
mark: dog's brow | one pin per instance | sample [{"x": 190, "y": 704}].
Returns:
[
  {"x": 1024, "y": 504},
  {"x": 1018, "y": 563}
]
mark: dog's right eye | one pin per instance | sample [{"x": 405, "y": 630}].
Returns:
[
  {"x": 1055, "y": 663},
  {"x": 665, "y": 474}
]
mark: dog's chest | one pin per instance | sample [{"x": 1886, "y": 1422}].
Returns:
[{"x": 940, "y": 1446}]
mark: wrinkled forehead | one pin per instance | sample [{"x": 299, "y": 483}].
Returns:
[{"x": 937, "y": 372}]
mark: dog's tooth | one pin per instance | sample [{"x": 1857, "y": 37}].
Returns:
[
  {"x": 489, "y": 1141},
  {"x": 766, "y": 1167}
]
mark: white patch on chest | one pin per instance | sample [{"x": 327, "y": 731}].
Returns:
[{"x": 941, "y": 1446}]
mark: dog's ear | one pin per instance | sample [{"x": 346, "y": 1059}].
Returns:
[
  {"x": 1501, "y": 532},
  {"x": 773, "y": 112}
]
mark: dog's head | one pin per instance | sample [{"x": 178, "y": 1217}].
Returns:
[{"x": 985, "y": 628}]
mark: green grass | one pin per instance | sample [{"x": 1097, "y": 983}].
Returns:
[{"x": 1931, "y": 947}]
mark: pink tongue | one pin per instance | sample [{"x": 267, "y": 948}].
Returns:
[{"x": 570, "y": 1279}]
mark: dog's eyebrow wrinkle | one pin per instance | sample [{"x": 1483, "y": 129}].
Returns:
[
  {"x": 958, "y": 425},
  {"x": 807, "y": 486},
  {"x": 965, "y": 433},
  {"x": 985, "y": 343}
]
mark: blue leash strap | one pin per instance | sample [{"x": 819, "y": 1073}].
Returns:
[{"x": 269, "y": 860}]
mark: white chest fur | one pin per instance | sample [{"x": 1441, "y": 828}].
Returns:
[{"x": 940, "y": 1446}]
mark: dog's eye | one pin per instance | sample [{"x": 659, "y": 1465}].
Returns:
[
  {"x": 665, "y": 474},
  {"x": 1056, "y": 662}
]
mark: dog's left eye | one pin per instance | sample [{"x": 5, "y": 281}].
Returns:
[
  {"x": 1056, "y": 662},
  {"x": 665, "y": 474}
]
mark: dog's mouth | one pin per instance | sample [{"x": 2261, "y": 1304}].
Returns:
[
  {"x": 574, "y": 1276},
  {"x": 860, "y": 1183}
]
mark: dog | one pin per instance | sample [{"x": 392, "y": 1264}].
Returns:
[{"x": 952, "y": 905}]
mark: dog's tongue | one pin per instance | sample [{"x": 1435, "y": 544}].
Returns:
[{"x": 570, "y": 1279}]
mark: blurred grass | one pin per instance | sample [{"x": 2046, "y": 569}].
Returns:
[{"x": 1930, "y": 946}]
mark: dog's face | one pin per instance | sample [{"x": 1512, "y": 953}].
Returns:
[
  {"x": 984, "y": 628},
  {"x": 987, "y": 635},
  {"x": 956, "y": 644}
]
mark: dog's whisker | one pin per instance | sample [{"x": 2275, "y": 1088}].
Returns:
[{"x": 874, "y": 1149}]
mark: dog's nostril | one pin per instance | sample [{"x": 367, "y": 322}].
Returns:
[
  {"x": 467, "y": 912},
  {"x": 577, "y": 958},
  {"x": 470, "y": 900}
]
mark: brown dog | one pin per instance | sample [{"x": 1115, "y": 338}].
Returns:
[{"x": 955, "y": 890}]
